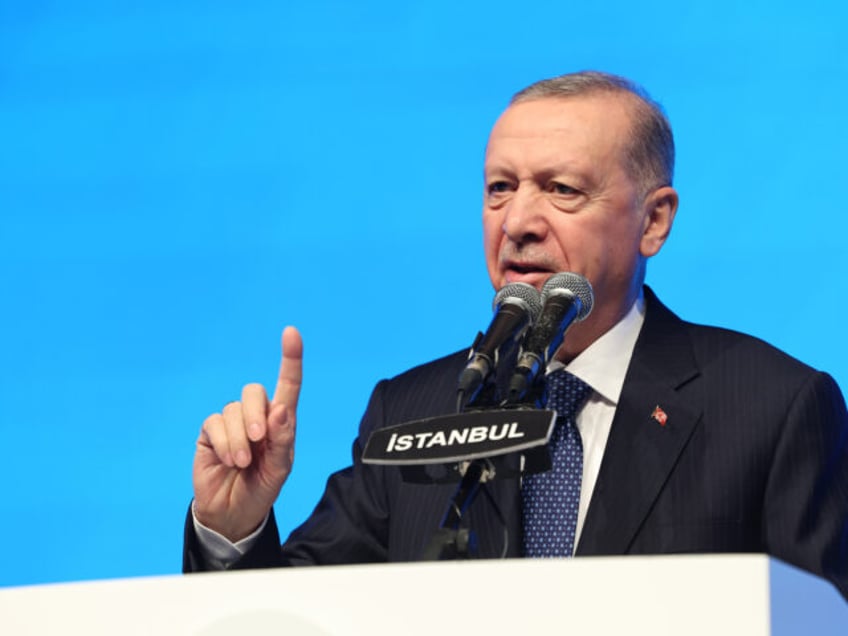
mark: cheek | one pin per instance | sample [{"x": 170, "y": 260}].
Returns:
[
  {"x": 589, "y": 247},
  {"x": 575, "y": 240},
  {"x": 620, "y": 260},
  {"x": 492, "y": 233},
  {"x": 492, "y": 238}
]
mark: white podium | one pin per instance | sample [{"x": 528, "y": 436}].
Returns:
[{"x": 691, "y": 595}]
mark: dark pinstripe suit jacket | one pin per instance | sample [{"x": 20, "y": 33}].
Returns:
[{"x": 753, "y": 458}]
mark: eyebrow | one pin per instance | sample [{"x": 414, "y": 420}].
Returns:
[{"x": 548, "y": 172}]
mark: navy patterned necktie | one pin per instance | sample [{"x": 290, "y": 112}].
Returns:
[{"x": 551, "y": 499}]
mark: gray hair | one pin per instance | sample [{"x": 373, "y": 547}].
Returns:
[{"x": 649, "y": 156}]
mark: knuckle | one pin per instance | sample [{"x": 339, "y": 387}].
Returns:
[
  {"x": 252, "y": 391},
  {"x": 211, "y": 422},
  {"x": 231, "y": 408}
]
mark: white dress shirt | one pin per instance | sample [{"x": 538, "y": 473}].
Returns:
[{"x": 602, "y": 366}]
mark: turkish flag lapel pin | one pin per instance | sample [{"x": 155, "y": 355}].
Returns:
[{"x": 659, "y": 415}]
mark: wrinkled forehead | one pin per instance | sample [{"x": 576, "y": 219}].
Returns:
[{"x": 595, "y": 126}]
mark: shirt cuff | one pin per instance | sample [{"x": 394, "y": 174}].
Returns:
[{"x": 218, "y": 551}]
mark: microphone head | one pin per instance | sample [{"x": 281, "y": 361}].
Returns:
[
  {"x": 521, "y": 294},
  {"x": 573, "y": 285}
]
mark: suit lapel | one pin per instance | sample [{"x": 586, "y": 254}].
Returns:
[{"x": 652, "y": 425}]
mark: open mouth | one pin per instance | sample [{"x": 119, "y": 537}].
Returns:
[
  {"x": 532, "y": 273},
  {"x": 519, "y": 268}
]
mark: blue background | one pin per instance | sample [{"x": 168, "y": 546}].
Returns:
[{"x": 180, "y": 181}]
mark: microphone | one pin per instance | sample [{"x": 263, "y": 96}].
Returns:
[
  {"x": 567, "y": 298},
  {"x": 516, "y": 305}
]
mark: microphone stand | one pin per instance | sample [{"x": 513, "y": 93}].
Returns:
[{"x": 451, "y": 541}]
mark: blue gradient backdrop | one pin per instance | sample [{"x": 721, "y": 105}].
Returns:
[{"x": 178, "y": 182}]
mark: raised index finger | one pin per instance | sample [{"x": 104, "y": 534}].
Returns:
[{"x": 291, "y": 370}]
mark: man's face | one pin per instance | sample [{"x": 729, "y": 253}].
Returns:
[{"x": 558, "y": 198}]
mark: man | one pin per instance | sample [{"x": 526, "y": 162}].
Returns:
[{"x": 694, "y": 439}]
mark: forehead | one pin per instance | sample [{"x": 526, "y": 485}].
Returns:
[{"x": 592, "y": 128}]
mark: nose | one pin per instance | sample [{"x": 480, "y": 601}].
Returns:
[{"x": 524, "y": 221}]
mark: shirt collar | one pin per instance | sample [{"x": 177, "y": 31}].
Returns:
[{"x": 603, "y": 364}]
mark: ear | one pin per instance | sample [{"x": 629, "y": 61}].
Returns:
[{"x": 660, "y": 207}]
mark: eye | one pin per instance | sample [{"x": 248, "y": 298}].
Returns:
[
  {"x": 498, "y": 187},
  {"x": 561, "y": 188},
  {"x": 565, "y": 197}
]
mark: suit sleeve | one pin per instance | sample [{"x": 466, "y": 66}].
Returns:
[{"x": 806, "y": 499}]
